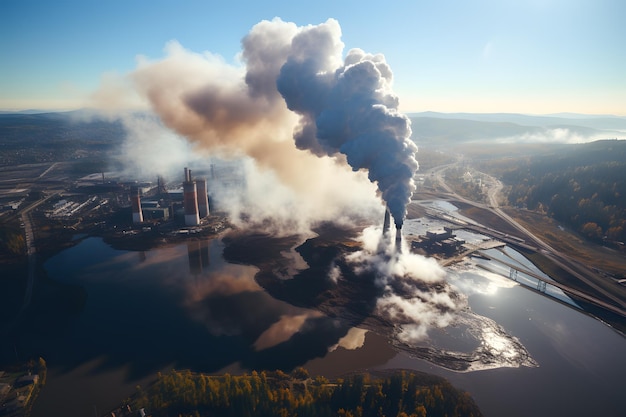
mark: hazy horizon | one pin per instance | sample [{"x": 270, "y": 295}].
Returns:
[{"x": 571, "y": 115}]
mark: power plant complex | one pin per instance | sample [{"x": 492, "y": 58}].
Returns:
[{"x": 195, "y": 202}]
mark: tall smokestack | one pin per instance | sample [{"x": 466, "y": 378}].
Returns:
[
  {"x": 398, "y": 222},
  {"x": 135, "y": 201},
  {"x": 203, "y": 198},
  {"x": 190, "y": 200},
  {"x": 387, "y": 221},
  {"x": 398, "y": 237},
  {"x": 161, "y": 191}
]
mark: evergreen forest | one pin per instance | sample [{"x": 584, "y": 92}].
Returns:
[{"x": 399, "y": 393}]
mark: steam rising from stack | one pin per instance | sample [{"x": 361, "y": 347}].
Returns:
[{"x": 350, "y": 109}]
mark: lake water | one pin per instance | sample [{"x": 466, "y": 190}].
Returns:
[{"x": 183, "y": 306}]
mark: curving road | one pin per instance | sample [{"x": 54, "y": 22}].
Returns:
[{"x": 573, "y": 267}]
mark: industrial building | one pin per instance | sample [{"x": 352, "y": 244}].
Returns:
[
  {"x": 154, "y": 210},
  {"x": 439, "y": 241},
  {"x": 193, "y": 194}
]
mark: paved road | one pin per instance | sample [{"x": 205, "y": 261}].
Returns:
[
  {"x": 573, "y": 267},
  {"x": 31, "y": 251},
  {"x": 568, "y": 264},
  {"x": 50, "y": 168}
]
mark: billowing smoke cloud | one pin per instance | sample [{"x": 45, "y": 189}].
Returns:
[
  {"x": 234, "y": 111},
  {"x": 350, "y": 109}
]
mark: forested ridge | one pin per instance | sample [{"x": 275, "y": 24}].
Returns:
[
  {"x": 582, "y": 187},
  {"x": 404, "y": 394}
]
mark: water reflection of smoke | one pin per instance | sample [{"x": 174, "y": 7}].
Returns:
[
  {"x": 229, "y": 303},
  {"x": 354, "y": 339}
]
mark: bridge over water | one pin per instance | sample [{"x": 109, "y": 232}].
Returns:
[
  {"x": 514, "y": 241},
  {"x": 471, "y": 248},
  {"x": 542, "y": 283}
]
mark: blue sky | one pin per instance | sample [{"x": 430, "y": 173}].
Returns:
[{"x": 529, "y": 56}]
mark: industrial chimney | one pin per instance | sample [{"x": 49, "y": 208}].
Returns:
[
  {"x": 203, "y": 198},
  {"x": 387, "y": 221},
  {"x": 135, "y": 201},
  {"x": 398, "y": 237},
  {"x": 190, "y": 200}
]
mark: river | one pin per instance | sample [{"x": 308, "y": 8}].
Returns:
[{"x": 132, "y": 314}]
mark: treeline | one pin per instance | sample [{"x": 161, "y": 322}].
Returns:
[
  {"x": 584, "y": 189},
  {"x": 400, "y": 394}
]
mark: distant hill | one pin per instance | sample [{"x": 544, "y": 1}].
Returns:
[
  {"x": 601, "y": 122},
  {"x": 433, "y": 128},
  {"x": 27, "y": 111}
]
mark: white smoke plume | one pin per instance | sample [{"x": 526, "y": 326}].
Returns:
[
  {"x": 415, "y": 296},
  {"x": 150, "y": 149}
]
